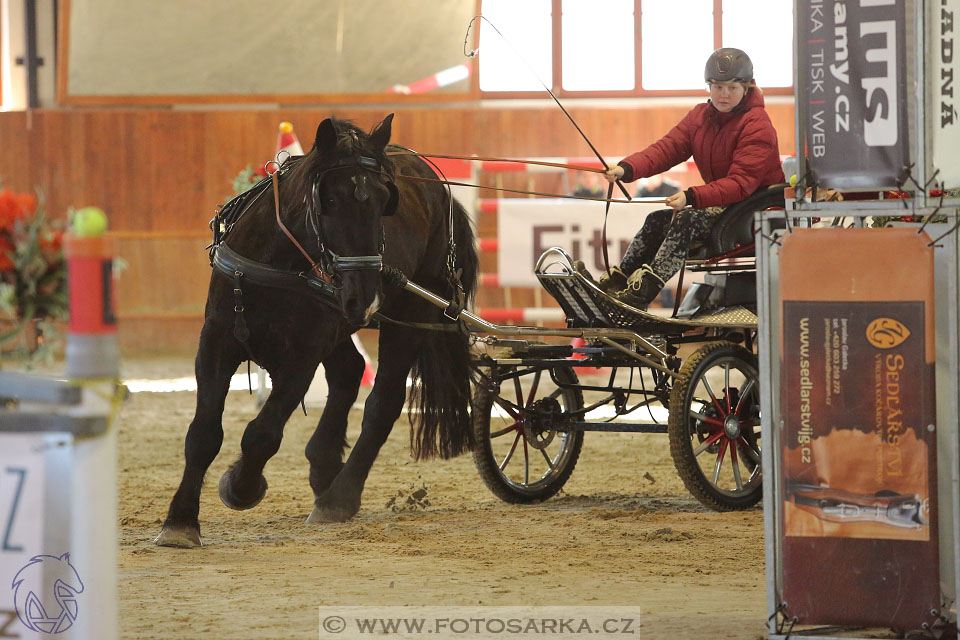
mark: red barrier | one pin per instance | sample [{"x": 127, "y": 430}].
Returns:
[{"x": 526, "y": 315}]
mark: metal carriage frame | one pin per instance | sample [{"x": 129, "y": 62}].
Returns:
[{"x": 714, "y": 433}]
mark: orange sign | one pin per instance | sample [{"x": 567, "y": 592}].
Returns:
[{"x": 858, "y": 441}]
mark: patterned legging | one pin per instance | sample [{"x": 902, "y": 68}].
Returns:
[{"x": 663, "y": 240}]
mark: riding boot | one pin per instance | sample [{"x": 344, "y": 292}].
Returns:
[
  {"x": 642, "y": 287},
  {"x": 612, "y": 280}
]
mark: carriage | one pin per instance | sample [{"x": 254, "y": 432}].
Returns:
[
  {"x": 370, "y": 219},
  {"x": 531, "y": 410}
]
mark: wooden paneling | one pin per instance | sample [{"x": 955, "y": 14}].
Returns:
[{"x": 159, "y": 174}]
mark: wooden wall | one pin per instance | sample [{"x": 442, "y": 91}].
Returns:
[{"x": 159, "y": 173}]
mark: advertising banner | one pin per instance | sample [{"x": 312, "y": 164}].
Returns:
[
  {"x": 944, "y": 65},
  {"x": 852, "y": 82},
  {"x": 858, "y": 435},
  {"x": 527, "y": 226}
]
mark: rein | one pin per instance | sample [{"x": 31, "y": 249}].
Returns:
[
  {"x": 401, "y": 176},
  {"x": 276, "y": 202},
  {"x": 539, "y": 163}
]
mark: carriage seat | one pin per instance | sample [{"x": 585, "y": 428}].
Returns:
[{"x": 734, "y": 228}]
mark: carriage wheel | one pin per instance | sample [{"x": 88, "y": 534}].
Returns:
[
  {"x": 714, "y": 426},
  {"x": 519, "y": 454}
]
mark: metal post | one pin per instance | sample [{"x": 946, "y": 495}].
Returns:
[{"x": 30, "y": 59}]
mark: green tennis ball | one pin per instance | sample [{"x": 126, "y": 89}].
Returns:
[
  {"x": 793, "y": 180},
  {"x": 89, "y": 221}
]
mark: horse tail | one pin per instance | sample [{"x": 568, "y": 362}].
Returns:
[{"x": 442, "y": 372}]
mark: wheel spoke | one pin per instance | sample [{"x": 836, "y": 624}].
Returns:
[
  {"x": 750, "y": 450},
  {"x": 713, "y": 396},
  {"x": 747, "y": 390},
  {"x": 504, "y": 431},
  {"x": 512, "y": 410},
  {"x": 716, "y": 469},
  {"x": 519, "y": 391},
  {"x": 533, "y": 388},
  {"x": 706, "y": 443},
  {"x": 506, "y": 461},
  {"x": 736, "y": 467},
  {"x": 705, "y": 418},
  {"x": 726, "y": 385},
  {"x": 526, "y": 463},
  {"x": 547, "y": 458}
]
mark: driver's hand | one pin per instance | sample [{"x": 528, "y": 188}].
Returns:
[
  {"x": 677, "y": 201},
  {"x": 614, "y": 173}
]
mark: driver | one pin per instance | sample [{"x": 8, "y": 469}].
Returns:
[{"x": 735, "y": 148}]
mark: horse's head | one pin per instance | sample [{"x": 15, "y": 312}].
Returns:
[{"x": 352, "y": 190}]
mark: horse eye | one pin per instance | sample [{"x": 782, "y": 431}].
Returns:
[{"x": 329, "y": 203}]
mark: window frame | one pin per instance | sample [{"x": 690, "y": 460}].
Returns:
[{"x": 637, "y": 91}]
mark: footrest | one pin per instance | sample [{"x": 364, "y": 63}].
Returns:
[{"x": 586, "y": 305}]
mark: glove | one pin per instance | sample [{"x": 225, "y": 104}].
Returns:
[{"x": 614, "y": 173}]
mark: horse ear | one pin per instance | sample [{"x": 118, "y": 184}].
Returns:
[
  {"x": 326, "y": 136},
  {"x": 380, "y": 135}
]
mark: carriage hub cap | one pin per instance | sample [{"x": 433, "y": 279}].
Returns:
[{"x": 731, "y": 427}]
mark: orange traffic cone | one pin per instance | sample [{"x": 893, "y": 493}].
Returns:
[
  {"x": 287, "y": 140},
  {"x": 368, "y": 373}
]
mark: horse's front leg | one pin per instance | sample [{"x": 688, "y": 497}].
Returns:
[
  {"x": 242, "y": 486},
  {"x": 341, "y": 501},
  {"x": 343, "y": 369},
  {"x": 217, "y": 359}
]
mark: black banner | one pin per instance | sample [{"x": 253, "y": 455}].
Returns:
[{"x": 852, "y": 82}]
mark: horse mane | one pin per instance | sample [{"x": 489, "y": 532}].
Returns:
[{"x": 351, "y": 141}]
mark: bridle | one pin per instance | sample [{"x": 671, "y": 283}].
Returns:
[{"x": 330, "y": 265}]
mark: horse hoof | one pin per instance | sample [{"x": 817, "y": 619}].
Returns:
[
  {"x": 180, "y": 537},
  {"x": 227, "y": 497},
  {"x": 327, "y": 514}
]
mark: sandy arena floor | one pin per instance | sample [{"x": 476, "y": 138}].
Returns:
[{"x": 623, "y": 533}]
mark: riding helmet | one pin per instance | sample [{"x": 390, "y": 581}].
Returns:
[{"x": 727, "y": 65}]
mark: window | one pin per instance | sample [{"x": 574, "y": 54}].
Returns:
[
  {"x": 629, "y": 47},
  {"x": 598, "y": 45},
  {"x": 514, "y": 58},
  {"x": 740, "y": 20},
  {"x": 675, "y": 48}
]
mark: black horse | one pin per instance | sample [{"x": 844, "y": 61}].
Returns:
[{"x": 345, "y": 205}]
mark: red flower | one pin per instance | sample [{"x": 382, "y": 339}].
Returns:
[
  {"x": 15, "y": 206},
  {"x": 6, "y": 246}
]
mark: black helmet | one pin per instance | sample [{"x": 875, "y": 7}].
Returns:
[{"x": 727, "y": 65}]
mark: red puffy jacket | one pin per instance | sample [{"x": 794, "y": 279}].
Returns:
[{"x": 736, "y": 152}]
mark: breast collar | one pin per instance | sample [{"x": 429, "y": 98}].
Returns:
[{"x": 237, "y": 268}]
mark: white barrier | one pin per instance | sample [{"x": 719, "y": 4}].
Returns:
[{"x": 58, "y": 451}]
